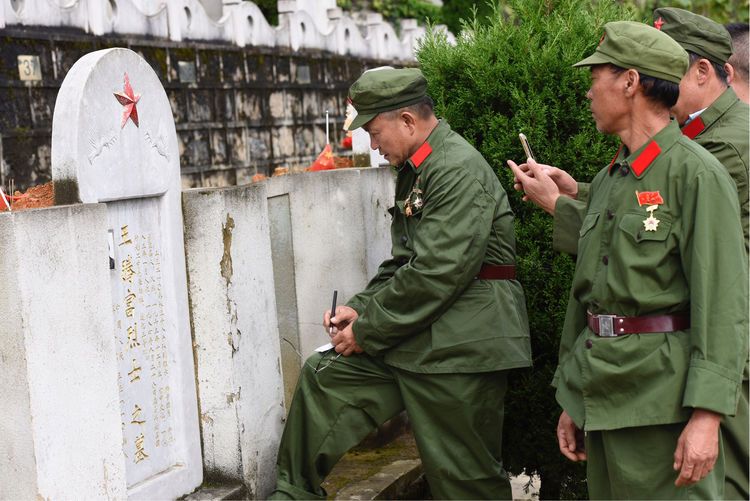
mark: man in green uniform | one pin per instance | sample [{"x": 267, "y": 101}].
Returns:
[
  {"x": 438, "y": 327},
  {"x": 654, "y": 341},
  {"x": 710, "y": 113},
  {"x": 721, "y": 125}
]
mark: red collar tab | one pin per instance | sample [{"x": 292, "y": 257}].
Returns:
[
  {"x": 647, "y": 156},
  {"x": 694, "y": 128},
  {"x": 423, "y": 152},
  {"x": 612, "y": 163}
]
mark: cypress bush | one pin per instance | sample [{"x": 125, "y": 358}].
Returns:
[{"x": 511, "y": 74}]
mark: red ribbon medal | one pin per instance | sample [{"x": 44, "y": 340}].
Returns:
[{"x": 652, "y": 199}]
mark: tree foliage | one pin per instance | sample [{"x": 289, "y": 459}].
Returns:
[
  {"x": 455, "y": 11},
  {"x": 721, "y": 11},
  {"x": 514, "y": 74}
]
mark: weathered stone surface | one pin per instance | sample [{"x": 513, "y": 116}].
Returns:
[
  {"x": 60, "y": 436},
  {"x": 27, "y": 158},
  {"x": 276, "y": 104},
  {"x": 255, "y": 89},
  {"x": 200, "y": 105},
  {"x": 355, "y": 201},
  {"x": 218, "y": 147},
  {"x": 131, "y": 164},
  {"x": 235, "y": 333},
  {"x": 250, "y": 105},
  {"x": 237, "y": 146}
]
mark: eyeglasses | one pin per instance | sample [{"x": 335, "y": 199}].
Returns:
[{"x": 327, "y": 359}]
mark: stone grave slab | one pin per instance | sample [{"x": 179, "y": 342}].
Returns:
[{"x": 114, "y": 141}]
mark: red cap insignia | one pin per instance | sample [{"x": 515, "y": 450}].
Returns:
[
  {"x": 659, "y": 23},
  {"x": 649, "y": 198}
]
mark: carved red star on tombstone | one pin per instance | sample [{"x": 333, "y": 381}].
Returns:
[
  {"x": 659, "y": 23},
  {"x": 128, "y": 99}
]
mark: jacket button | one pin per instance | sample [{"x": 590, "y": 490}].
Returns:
[
  {"x": 624, "y": 170},
  {"x": 605, "y": 260},
  {"x": 589, "y": 343},
  {"x": 610, "y": 214},
  {"x": 404, "y": 239}
]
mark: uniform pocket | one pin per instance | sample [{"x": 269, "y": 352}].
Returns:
[
  {"x": 588, "y": 223},
  {"x": 633, "y": 226}
]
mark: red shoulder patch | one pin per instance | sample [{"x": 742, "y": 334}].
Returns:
[
  {"x": 646, "y": 157},
  {"x": 694, "y": 128},
  {"x": 423, "y": 152}
]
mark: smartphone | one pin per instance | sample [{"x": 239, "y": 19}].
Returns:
[{"x": 526, "y": 146}]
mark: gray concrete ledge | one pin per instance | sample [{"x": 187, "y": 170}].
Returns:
[{"x": 389, "y": 483}]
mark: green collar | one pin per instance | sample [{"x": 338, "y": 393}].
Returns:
[
  {"x": 644, "y": 157},
  {"x": 424, "y": 151},
  {"x": 726, "y": 100}
]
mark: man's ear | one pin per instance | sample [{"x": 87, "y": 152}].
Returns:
[
  {"x": 632, "y": 79},
  {"x": 703, "y": 68},
  {"x": 730, "y": 72},
  {"x": 409, "y": 121}
]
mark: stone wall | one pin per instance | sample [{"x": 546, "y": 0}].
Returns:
[
  {"x": 248, "y": 111},
  {"x": 61, "y": 436}
]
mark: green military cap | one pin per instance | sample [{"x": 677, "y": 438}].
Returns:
[
  {"x": 628, "y": 44},
  {"x": 385, "y": 89},
  {"x": 695, "y": 33}
]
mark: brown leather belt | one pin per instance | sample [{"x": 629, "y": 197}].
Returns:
[
  {"x": 613, "y": 326},
  {"x": 497, "y": 272}
]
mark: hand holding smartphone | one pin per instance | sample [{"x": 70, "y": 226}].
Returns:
[{"x": 526, "y": 147}]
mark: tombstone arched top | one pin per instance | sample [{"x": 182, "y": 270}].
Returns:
[{"x": 113, "y": 133}]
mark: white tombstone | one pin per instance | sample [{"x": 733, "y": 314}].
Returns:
[
  {"x": 60, "y": 433},
  {"x": 113, "y": 139}
]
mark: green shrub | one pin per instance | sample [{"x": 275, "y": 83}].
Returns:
[
  {"x": 721, "y": 11},
  {"x": 454, "y": 11},
  {"x": 510, "y": 75}
]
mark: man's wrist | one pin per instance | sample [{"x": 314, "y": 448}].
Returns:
[
  {"x": 707, "y": 416},
  {"x": 550, "y": 206}
]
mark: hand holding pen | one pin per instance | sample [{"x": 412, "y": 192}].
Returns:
[
  {"x": 338, "y": 323},
  {"x": 332, "y": 313}
]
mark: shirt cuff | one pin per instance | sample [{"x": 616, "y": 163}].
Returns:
[
  {"x": 566, "y": 225},
  {"x": 712, "y": 387}
]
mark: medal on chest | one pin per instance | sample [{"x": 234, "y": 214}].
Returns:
[
  {"x": 652, "y": 200},
  {"x": 414, "y": 201}
]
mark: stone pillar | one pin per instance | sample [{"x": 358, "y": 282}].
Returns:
[{"x": 236, "y": 340}]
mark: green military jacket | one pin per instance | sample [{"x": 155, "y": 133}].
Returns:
[
  {"x": 723, "y": 129},
  {"x": 693, "y": 262},
  {"x": 425, "y": 311}
]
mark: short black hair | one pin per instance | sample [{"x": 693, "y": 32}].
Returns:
[
  {"x": 423, "y": 108},
  {"x": 657, "y": 90},
  {"x": 740, "y": 52},
  {"x": 721, "y": 73}
]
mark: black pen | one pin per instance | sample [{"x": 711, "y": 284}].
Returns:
[{"x": 333, "y": 311}]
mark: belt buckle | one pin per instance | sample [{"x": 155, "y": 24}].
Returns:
[{"x": 606, "y": 325}]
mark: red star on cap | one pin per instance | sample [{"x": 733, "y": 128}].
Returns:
[
  {"x": 128, "y": 100},
  {"x": 659, "y": 23}
]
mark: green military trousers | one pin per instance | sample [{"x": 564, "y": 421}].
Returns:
[
  {"x": 457, "y": 421},
  {"x": 735, "y": 433},
  {"x": 637, "y": 463}
]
